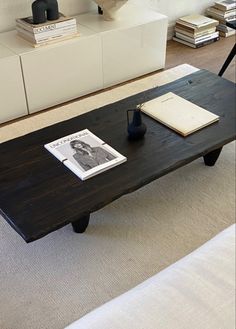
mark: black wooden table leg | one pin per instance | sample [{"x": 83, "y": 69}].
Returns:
[
  {"x": 211, "y": 157},
  {"x": 80, "y": 225},
  {"x": 228, "y": 61}
]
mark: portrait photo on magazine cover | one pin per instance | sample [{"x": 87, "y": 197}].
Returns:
[{"x": 89, "y": 154}]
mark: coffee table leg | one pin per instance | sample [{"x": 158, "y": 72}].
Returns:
[
  {"x": 211, "y": 157},
  {"x": 80, "y": 225}
]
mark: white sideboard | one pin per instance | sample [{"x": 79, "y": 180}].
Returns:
[
  {"x": 132, "y": 45},
  {"x": 57, "y": 73},
  {"x": 106, "y": 53},
  {"x": 12, "y": 94}
]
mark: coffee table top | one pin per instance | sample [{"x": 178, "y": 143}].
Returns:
[{"x": 38, "y": 194}]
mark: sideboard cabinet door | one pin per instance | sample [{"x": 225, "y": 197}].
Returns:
[
  {"x": 12, "y": 93},
  {"x": 56, "y": 74}
]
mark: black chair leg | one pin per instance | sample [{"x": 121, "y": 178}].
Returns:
[{"x": 228, "y": 60}]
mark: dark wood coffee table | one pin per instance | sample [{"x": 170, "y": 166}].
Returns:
[{"x": 38, "y": 194}]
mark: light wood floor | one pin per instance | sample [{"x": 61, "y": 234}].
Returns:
[{"x": 210, "y": 57}]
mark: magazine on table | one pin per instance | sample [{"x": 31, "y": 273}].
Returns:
[{"x": 85, "y": 154}]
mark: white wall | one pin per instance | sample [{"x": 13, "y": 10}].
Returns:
[
  {"x": 176, "y": 8},
  {"x": 11, "y": 9}
]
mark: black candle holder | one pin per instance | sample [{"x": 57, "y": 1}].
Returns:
[
  {"x": 136, "y": 128},
  {"x": 44, "y": 10},
  {"x": 100, "y": 11}
]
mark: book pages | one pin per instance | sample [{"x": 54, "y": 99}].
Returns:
[{"x": 197, "y": 20}]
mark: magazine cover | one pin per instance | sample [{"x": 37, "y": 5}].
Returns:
[{"x": 85, "y": 154}]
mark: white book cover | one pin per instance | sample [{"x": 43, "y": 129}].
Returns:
[
  {"x": 197, "y": 40},
  {"x": 178, "y": 113},
  {"x": 226, "y": 5},
  {"x": 197, "y": 20},
  {"x": 85, "y": 154}
]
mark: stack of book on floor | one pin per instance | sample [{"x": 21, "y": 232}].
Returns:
[
  {"x": 196, "y": 31},
  {"x": 223, "y": 11},
  {"x": 46, "y": 33}
]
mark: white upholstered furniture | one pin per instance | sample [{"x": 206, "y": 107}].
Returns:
[{"x": 197, "y": 292}]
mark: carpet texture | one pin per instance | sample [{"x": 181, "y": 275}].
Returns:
[{"x": 51, "y": 282}]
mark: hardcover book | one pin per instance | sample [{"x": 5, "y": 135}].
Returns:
[
  {"x": 212, "y": 12},
  {"x": 195, "y": 34},
  {"x": 192, "y": 28},
  {"x": 48, "y": 41},
  {"x": 227, "y": 34},
  {"x": 179, "y": 114},
  {"x": 223, "y": 14},
  {"x": 47, "y": 33},
  {"x": 85, "y": 154},
  {"x": 197, "y": 45},
  {"x": 197, "y": 21},
  {"x": 62, "y": 22},
  {"x": 197, "y": 40},
  {"x": 226, "y": 4}
]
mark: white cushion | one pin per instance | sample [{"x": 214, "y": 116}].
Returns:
[{"x": 196, "y": 292}]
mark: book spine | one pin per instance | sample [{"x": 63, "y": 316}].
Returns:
[
  {"x": 227, "y": 34},
  {"x": 186, "y": 43},
  {"x": 203, "y": 24},
  {"x": 207, "y": 42},
  {"x": 230, "y": 14},
  {"x": 204, "y": 43},
  {"x": 195, "y": 28},
  {"x": 224, "y": 28},
  {"x": 225, "y": 7},
  {"x": 52, "y": 41},
  {"x": 221, "y": 19},
  {"x": 47, "y": 41},
  {"x": 195, "y": 35},
  {"x": 48, "y": 35},
  {"x": 198, "y": 39},
  {"x": 55, "y": 38},
  {"x": 48, "y": 27},
  {"x": 222, "y": 14}
]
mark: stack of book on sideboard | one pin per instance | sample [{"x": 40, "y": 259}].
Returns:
[
  {"x": 196, "y": 31},
  {"x": 49, "y": 32},
  {"x": 223, "y": 11}
]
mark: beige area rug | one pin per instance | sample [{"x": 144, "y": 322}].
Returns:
[{"x": 52, "y": 282}]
